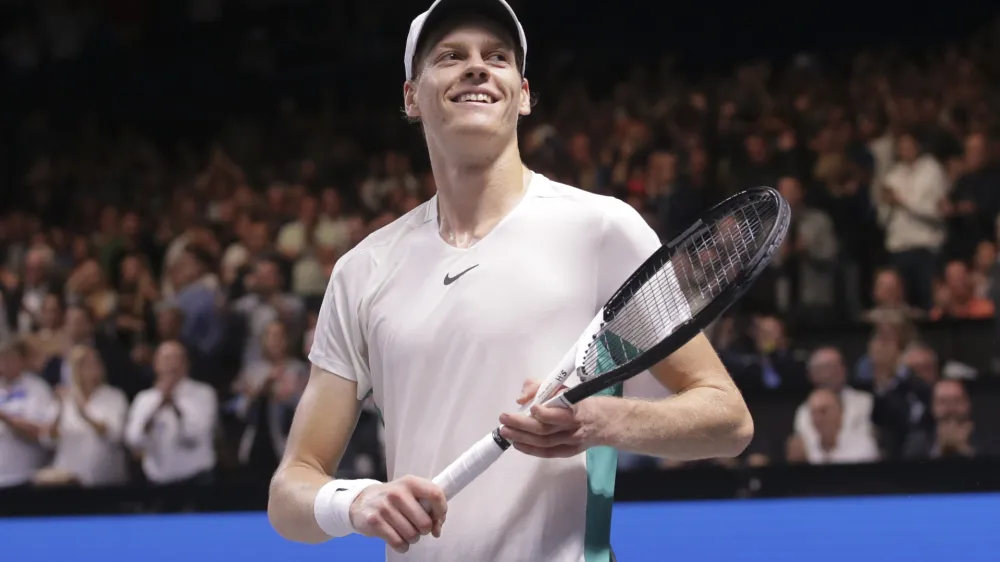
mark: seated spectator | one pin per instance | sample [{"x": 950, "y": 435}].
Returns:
[
  {"x": 905, "y": 332},
  {"x": 773, "y": 363},
  {"x": 958, "y": 299},
  {"x": 834, "y": 443},
  {"x": 955, "y": 433},
  {"x": 889, "y": 301},
  {"x": 50, "y": 339},
  {"x": 827, "y": 371},
  {"x": 809, "y": 253},
  {"x": 171, "y": 427},
  {"x": 88, "y": 286},
  {"x": 25, "y": 296},
  {"x": 902, "y": 401},
  {"x": 80, "y": 329},
  {"x": 266, "y": 302},
  {"x": 198, "y": 296},
  {"x": 27, "y": 407},
  {"x": 923, "y": 362},
  {"x": 312, "y": 229},
  {"x": 982, "y": 269},
  {"x": 87, "y": 431},
  {"x": 267, "y": 392}
]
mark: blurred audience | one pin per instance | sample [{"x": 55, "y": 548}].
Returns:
[{"x": 173, "y": 267}]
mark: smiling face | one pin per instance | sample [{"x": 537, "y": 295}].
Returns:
[{"x": 467, "y": 87}]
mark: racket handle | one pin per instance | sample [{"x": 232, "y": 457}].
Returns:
[{"x": 469, "y": 466}]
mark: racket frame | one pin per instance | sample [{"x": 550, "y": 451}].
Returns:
[{"x": 691, "y": 327}]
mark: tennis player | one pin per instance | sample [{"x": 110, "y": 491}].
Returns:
[{"x": 442, "y": 315}]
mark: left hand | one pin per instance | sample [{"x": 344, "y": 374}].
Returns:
[{"x": 548, "y": 431}]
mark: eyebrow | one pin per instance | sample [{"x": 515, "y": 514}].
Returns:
[{"x": 488, "y": 45}]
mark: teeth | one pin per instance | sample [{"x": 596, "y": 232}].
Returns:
[{"x": 483, "y": 98}]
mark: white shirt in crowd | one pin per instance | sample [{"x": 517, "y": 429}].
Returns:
[
  {"x": 175, "y": 448},
  {"x": 30, "y": 398},
  {"x": 856, "y": 440},
  {"x": 916, "y": 223},
  {"x": 95, "y": 460},
  {"x": 443, "y": 339}
]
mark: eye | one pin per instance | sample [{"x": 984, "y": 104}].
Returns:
[
  {"x": 499, "y": 57},
  {"x": 448, "y": 56}
]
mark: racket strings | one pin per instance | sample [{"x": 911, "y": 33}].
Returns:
[{"x": 680, "y": 285}]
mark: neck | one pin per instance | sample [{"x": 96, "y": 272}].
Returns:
[{"x": 474, "y": 196}]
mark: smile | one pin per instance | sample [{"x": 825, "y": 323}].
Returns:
[{"x": 473, "y": 97}]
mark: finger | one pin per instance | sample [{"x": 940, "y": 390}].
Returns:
[
  {"x": 553, "y": 415},
  {"x": 430, "y": 495},
  {"x": 418, "y": 517},
  {"x": 558, "y": 452},
  {"x": 527, "y": 423},
  {"x": 384, "y": 531},
  {"x": 528, "y": 390},
  {"x": 545, "y": 441},
  {"x": 399, "y": 523}
]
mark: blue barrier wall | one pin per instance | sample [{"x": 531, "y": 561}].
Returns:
[{"x": 917, "y": 528}]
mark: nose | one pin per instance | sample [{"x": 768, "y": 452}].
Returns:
[{"x": 477, "y": 70}]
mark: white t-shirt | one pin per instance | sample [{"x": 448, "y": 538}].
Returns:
[
  {"x": 175, "y": 448},
  {"x": 95, "y": 459},
  {"x": 857, "y": 417},
  {"x": 28, "y": 397},
  {"x": 444, "y": 360}
]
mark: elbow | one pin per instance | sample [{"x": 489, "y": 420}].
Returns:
[
  {"x": 738, "y": 432},
  {"x": 287, "y": 524},
  {"x": 275, "y": 514}
]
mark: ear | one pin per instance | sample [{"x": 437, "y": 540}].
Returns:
[
  {"x": 410, "y": 99},
  {"x": 524, "y": 108}
]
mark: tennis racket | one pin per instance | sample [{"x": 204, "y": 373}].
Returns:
[{"x": 684, "y": 286}]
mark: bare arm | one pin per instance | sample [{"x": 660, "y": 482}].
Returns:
[
  {"x": 323, "y": 424},
  {"x": 705, "y": 418},
  {"x": 25, "y": 429}
]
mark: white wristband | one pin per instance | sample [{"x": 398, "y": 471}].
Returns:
[{"x": 332, "y": 508}]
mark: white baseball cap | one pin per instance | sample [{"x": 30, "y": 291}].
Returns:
[{"x": 499, "y": 10}]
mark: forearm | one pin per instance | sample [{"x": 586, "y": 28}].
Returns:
[
  {"x": 291, "y": 500},
  {"x": 699, "y": 423},
  {"x": 24, "y": 429}
]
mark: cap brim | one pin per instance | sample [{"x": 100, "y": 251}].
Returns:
[{"x": 494, "y": 10}]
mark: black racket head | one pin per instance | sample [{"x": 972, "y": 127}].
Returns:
[{"x": 684, "y": 286}]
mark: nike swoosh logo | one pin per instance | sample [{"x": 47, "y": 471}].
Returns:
[{"x": 448, "y": 280}]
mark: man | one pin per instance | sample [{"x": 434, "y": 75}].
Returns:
[
  {"x": 827, "y": 371},
  {"x": 835, "y": 443},
  {"x": 955, "y": 433},
  {"x": 443, "y": 313},
  {"x": 809, "y": 254},
  {"x": 902, "y": 401},
  {"x": 910, "y": 212},
  {"x": 266, "y": 302},
  {"x": 27, "y": 408},
  {"x": 172, "y": 425}
]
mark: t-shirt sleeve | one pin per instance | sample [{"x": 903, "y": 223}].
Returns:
[
  {"x": 339, "y": 344},
  {"x": 628, "y": 241}
]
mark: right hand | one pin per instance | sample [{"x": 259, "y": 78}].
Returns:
[{"x": 393, "y": 512}]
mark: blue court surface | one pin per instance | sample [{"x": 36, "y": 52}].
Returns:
[{"x": 920, "y": 528}]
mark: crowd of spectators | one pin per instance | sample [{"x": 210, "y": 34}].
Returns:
[{"x": 158, "y": 299}]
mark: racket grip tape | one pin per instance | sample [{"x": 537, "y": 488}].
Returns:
[{"x": 470, "y": 465}]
